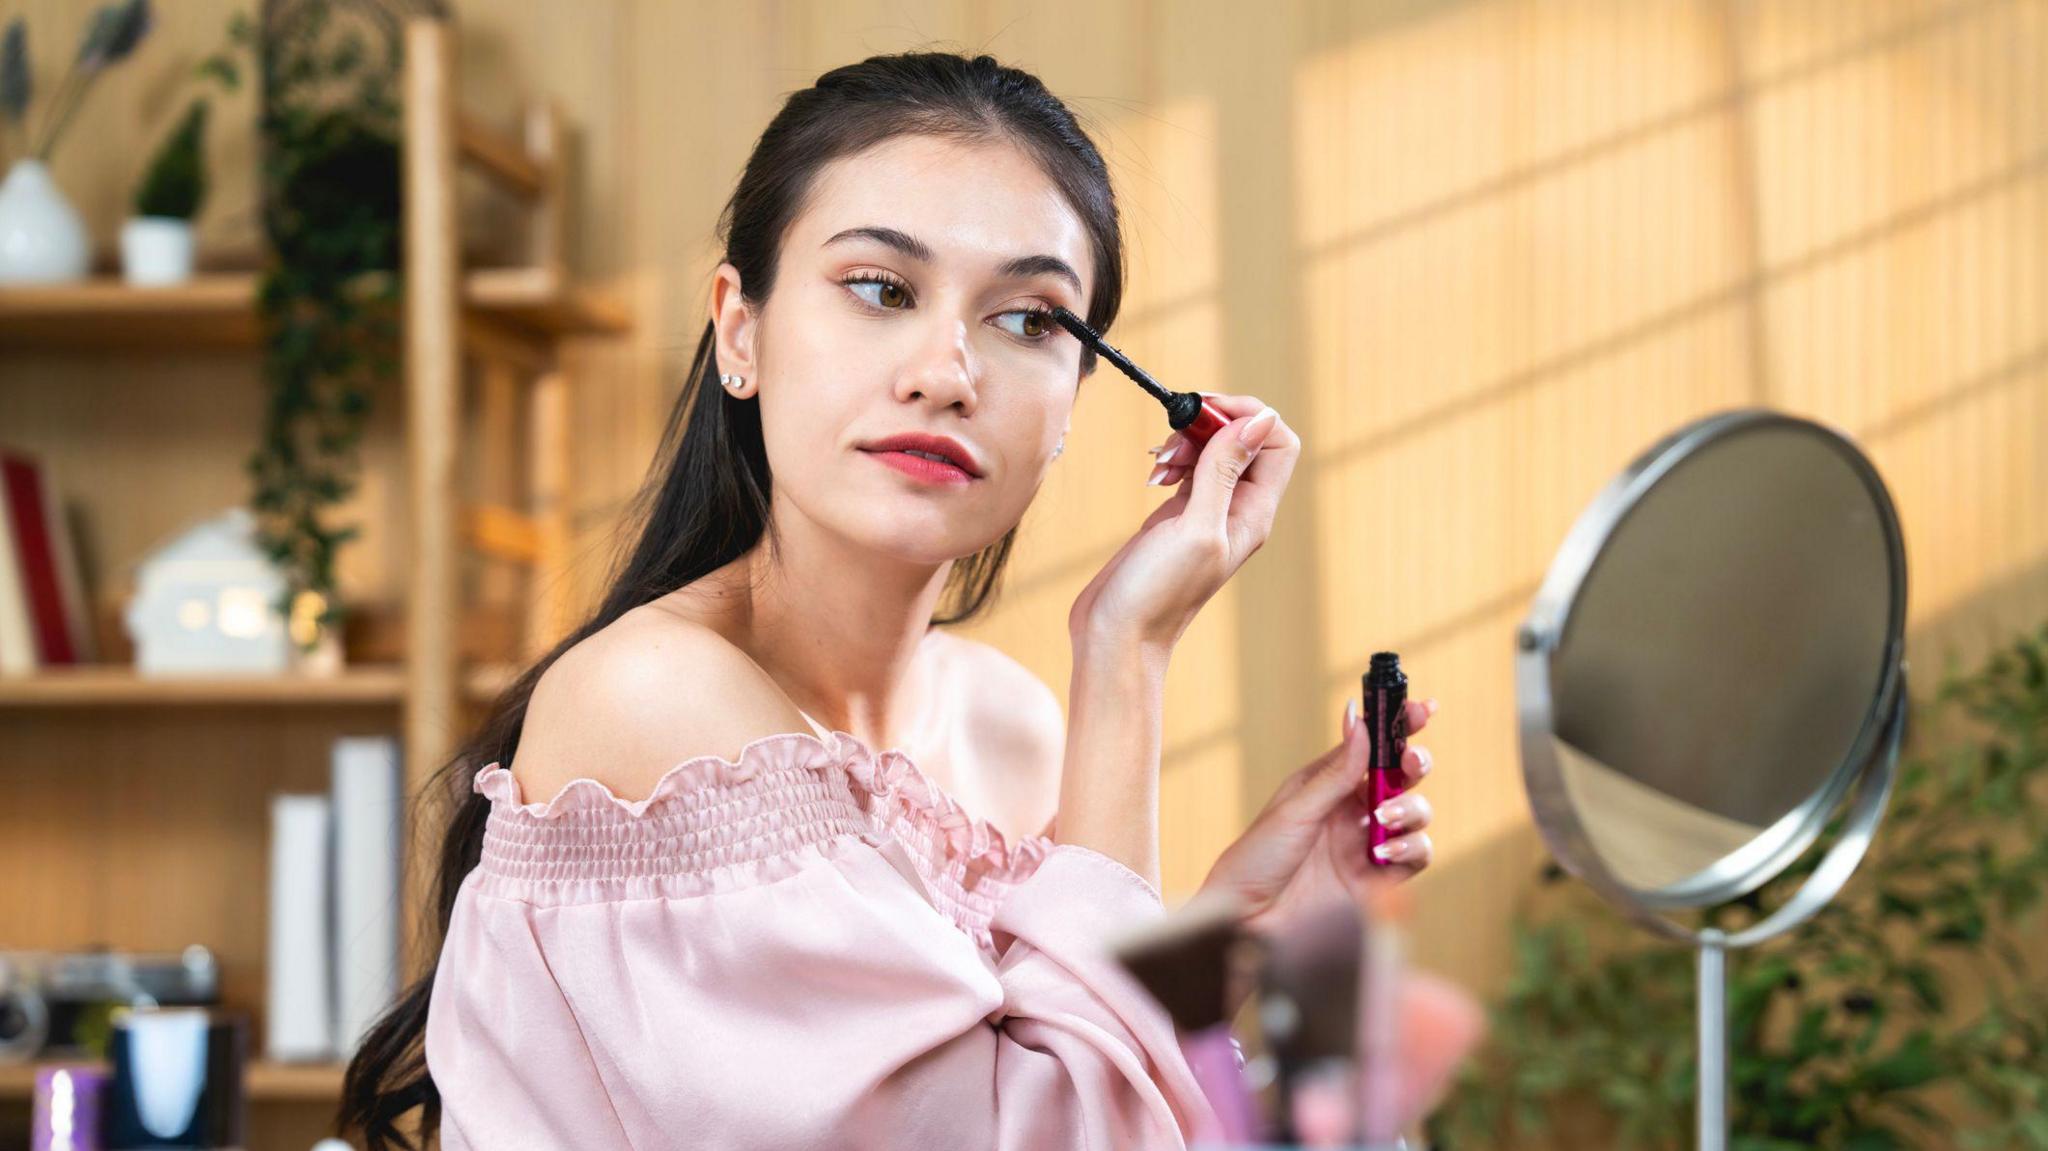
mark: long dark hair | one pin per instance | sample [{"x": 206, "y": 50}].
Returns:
[{"x": 706, "y": 501}]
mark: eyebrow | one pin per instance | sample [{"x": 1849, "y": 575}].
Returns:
[{"x": 1016, "y": 268}]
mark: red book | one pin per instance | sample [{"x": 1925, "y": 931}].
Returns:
[{"x": 38, "y": 557}]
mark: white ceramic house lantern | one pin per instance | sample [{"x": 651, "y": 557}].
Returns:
[{"x": 205, "y": 603}]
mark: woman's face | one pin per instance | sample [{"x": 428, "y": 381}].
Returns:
[{"x": 893, "y": 311}]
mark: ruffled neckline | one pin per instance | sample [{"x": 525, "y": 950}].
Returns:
[{"x": 888, "y": 776}]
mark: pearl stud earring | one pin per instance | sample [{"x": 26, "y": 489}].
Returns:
[{"x": 733, "y": 382}]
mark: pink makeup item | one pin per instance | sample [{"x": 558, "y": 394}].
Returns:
[
  {"x": 1324, "y": 1104},
  {"x": 1213, "y": 1057},
  {"x": 1386, "y": 720},
  {"x": 1197, "y": 961},
  {"x": 1195, "y": 418}
]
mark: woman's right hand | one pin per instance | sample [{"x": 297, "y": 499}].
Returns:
[{"x": 1190, "y": 546}]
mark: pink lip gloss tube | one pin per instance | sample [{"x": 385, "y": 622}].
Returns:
[{"x": 1386, "y": 714}]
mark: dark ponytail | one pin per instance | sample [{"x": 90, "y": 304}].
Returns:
[{"x": 706, "y": 503}]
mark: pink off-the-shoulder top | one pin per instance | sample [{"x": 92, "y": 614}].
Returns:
[{"x": 810, "y": 946}]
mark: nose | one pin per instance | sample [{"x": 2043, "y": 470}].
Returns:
[{"x": 943, "y": 371}]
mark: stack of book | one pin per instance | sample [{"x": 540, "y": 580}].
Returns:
[{"x": 334, "y": 904}]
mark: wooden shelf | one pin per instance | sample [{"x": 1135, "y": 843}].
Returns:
[
  {"x": 262, "y": 1080},
  {"x": 312, "y": 1081},
  {"x": 214, "y": 311},
  {"x": 120, "y": 685},
  {"x": 218, "y": 311}
]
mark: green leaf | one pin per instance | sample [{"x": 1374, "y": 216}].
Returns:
[
  {"x": 1911, "y": 1064},
  {"x": 1926, "y": 986},
  {"x": 176, "y": 183},
  {"x": 1894, "y": 903},
  {"x": 1872, "y": 1139}
]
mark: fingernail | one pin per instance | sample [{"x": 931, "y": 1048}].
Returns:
[
  {"x": 1433, "y": 706},
  {"x": 1392, "y": 814},
  {"x": 1254, "y": 431},
  {"x": 1350, "y": 716},
  {"x": 1158, "y": 473},
  {"x": 1392, "y": 849},
  {"x": 1171, "y": 453},
  {"x": 1422, "y": 753}
]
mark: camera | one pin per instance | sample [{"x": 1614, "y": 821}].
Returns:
[{"x": 60, "y": 1004}]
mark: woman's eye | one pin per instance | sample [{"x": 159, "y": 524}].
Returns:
[
  {"x": 1037, "y": 323},
  {"x": 889, "y": 295},
  {"x": 892, "y": 296}
]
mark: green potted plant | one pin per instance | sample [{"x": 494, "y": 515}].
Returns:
[{"x": 156, "y": 242}]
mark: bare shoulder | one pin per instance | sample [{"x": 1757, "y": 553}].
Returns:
[
  {"x": 1007, "y": 694},
  {"x": 643, "y": 694},
  {"x": 1019, "y": 730}
]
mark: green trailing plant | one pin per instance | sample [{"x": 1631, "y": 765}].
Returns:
[
  {"x": 110, "y": 37},
  {"x": 1905, "y": 1014},
  {"x": 330, "y": 289}
]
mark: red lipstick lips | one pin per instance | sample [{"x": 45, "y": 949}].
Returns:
[{"x": 909, "y": 452}]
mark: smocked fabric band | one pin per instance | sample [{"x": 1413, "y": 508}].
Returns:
[{"x": 711, "y": 823}]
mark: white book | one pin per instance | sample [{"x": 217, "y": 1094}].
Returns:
[
  {"x": 299, "y": 1020},
  {"x": 368, "y": 817}
]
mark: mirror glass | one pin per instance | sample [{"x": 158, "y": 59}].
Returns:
[{"x": 1721, "y": 658}]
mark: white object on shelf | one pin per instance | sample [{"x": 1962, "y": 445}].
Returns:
[
  {"x": 207, "y": 603},
  {"x": 167, "y": 1056},
  {"x": 156, "y": 250},
  {"x": 299, "y": 1001},
  {"x": 368, "y": 813},
  {"x": 42, "y": 239}
]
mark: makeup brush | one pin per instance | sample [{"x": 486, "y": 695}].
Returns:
[{"x": 1195, "y": 418}]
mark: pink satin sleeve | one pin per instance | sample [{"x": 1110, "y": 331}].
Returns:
[{"x": 811, "y": 946}]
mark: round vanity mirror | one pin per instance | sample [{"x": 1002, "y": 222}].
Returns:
[{"x": 1712, "y": 666}]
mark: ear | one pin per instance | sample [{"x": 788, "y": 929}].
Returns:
[{"x": 735, "y": 322}]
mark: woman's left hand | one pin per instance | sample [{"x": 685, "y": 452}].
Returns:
[{"x": 1308, "y": 844}]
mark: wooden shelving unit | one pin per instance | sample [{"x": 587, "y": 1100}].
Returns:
[{"x": 124, "y": 853}]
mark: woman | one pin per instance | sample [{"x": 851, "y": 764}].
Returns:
[{"x": 758, "y": 857}]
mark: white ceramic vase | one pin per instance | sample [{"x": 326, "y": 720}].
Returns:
[
  {"x": 156, "y": 250},
  {"x": 42, "y": 239}
]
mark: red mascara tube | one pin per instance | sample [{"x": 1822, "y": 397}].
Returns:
[
  {"x": 1386, "y": 717},
  {"x": 1195, "y": 418}
]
